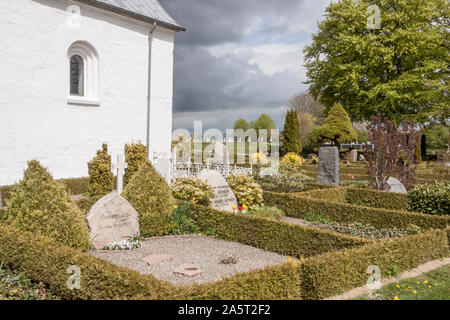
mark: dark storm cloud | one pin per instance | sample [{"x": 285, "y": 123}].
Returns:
[{"x": 208, "y": 83}]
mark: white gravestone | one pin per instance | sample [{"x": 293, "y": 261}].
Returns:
[
  {"x": 396, "y": 186},
  {"x": 112, "y": 219},
  {"x": 119, "y": 170},
  {"x": 354, "y": 155},
  {"x": 221, "y": 154},
  {"x": 225, "y": 198}
]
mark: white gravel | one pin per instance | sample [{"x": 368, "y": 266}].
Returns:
[{"x": 204, "y": 252}]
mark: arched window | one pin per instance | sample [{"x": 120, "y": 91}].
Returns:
[
  {"x": 83, "y": 74},
  {"x": 76, "y": 76}
]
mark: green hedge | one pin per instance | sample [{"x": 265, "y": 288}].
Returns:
[
  {"x": 376, "y": 199},
  {"x": 337, "y": 272},
  {"x": 300, "y": 206},
  {"x": 43, "y": 259},
  {"x": 272, "y": 235}
]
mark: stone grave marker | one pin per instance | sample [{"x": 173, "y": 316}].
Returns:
[
  {"x": 225, "y": 198},
  {"x": 112, "y": 219},
  {"x": 396, "y": 186},
  {"x": 354, "y": 155},
  {"x": 328, "y": 172},
  {"x": 119, "y": 169},
  {"x": 221, "y": 154}
]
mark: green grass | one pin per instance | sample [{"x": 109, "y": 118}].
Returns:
[
  {"x": 16, "y": 286},
  {"x": 434, "y": 285}
]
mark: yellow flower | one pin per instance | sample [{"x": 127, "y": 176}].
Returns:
[
  {"x": 396, "y": 298},
  {"x": 398, "y": 286},
  {"x": 418, "y": 282},
  {"x": 175, "y": 207},
  {"x": 414, "y": 291},
  {"x": 245, "y": 207},
  {"x": 429, "y": 286},
  {"x": 425, "y": 282},
  {"x": 200, "y": 234},
  {"x": 233, "y": 207}
]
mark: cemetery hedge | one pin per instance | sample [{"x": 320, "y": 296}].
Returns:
[
  {"x": 44, "y": 259},
  {"x": 334, "y": 273},
  {"x": 300, "y": 205},
  {"x": 271, "y": 235}
]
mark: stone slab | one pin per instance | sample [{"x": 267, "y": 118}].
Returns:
[
  {"x": 155, "y": 259},
  {"x": 112, "y": 219},
  {"x": 225, "y": 198},
  {"x": 188, "y": 270},
  {"x": 328, "y": 172},
  {"x": 396, "y": 186}
]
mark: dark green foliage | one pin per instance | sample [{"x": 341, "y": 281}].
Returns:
[
  {"x": 43, "y": 206},
  {"x": 152, "y": 198},
  {"x": 100, "y": 175},
  {"x": 136, "y": 154},
  {"x": 430, "y": 199},
  {"x": 182, "y": 219},
  {"x": 337, "y": 127},
  {"x": 292, "y": 134},
  {"x": 437, "y": 137}
]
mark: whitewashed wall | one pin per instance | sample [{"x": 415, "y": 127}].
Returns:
[{"x": 36, "y": 122}]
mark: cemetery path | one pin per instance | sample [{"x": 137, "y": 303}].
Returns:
[
  {"x": 205, "y": 253},
  {"x": 424, "y": 268}
]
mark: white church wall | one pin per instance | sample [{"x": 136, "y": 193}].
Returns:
[{"x": 36, "y": 120}]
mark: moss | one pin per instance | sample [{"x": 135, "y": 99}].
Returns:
[
  {"x": 41, "y": 205},
  {"x": 152, "y": 198},
  {"x": 100, "y": 175}
]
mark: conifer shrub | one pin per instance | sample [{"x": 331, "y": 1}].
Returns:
[
  {"x": 292, "y": 134},
  {"x": 337, "y": 127},
  {"x": 430, "y": 199},
  {"x": 136, "y": 154},
  {"x": 41, "y": 205},
  {"x": 149, "y": 193},
  {"x": 247, "y": 191},
  {"x": 101, "y": 179},
  {"x": 193, "y": 190}
]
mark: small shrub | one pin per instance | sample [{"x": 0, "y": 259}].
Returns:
[
  {"x": 266, "y": 212},
  {"x": 41, "y": 205},
  {"x": 193, "y": 190},
  {"x": 182, "y": 219},
  {"x": 292, "y": 159},
  {"x": 247, "y": 191},
  {"x": 101, "y": 179},
  {"x": 152, "y": 198},
  {"x": 430, "y": 199},
  {"x": 286, "y": 181},
  {"x": 136, "y": 154},
  {"x": 259, "y": 158}
]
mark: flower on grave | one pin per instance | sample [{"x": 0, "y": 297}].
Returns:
[
  {"x": 240, "y": 208},
  {"x": 245, "y": 208},
  {"x": 425, "y": 282},
  {"x": 429, "y": 286},
  {"x": 396, "y": 298},
  {"x": 414, "y": 291},
  {"x": 398, "y": 286},
  {"x": 175, "y": 207},
  {"x": 234, "y": 209}
]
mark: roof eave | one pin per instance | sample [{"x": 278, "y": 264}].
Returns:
[{"x": 132, "y": 15}]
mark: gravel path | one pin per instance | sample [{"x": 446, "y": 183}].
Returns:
[
  {"x": 305, "y": 223},
  {"x": 204, "y": 252}
]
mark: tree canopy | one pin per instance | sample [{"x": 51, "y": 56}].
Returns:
[
  {"x": 337, "y": 127},
  {"x": 400, "y": 67},
  {"x": 241, "y": 124}
]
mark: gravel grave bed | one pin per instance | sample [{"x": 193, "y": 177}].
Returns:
[{"x": 206, "y": 253}]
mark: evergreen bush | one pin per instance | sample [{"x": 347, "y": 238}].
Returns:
[
  {"x": 247, "y": 191},
  {"x": 292, "y": 134},
  {"x": 430, "y": 199},
  {"x": 136, "y": 154},
  {"x": 101, "y": 179},
  {"x": 193, "y": 190},
  {"x": 337, "y": 127}
]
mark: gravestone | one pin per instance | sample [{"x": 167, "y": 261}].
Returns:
[
  {"x": 112, "y": 219},
  {"x": 354, "y": 155},
  {"x": 328, "y": 172},
  {"x": 225, "y": 198},
  {"x": 221, "y": 154},
  {"x": 119, "y": 169},
  {"x": 362, "y": 158},
  {"x": 396, "y": 186}
]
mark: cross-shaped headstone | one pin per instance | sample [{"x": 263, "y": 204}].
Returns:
[{"x": 119, "y": 169}]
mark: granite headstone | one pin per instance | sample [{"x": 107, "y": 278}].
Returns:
[
  {"x": 328, "y": 172},
  {"x": 225, "y": 198}
]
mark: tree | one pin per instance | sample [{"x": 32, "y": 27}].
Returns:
[
  {"x": 101, "y": 179},
  {"x": 437, "y": 137},
  {"x": 337, "y": 127},
  {"x": 292, "y": 135},
  {"x": 307, "y": 122},
  {"x": 398, "y": 69},
  {"x": 306, "y": 103},
  {"x": 241, "y": 124},
  {"x": 264, "y": 122}
]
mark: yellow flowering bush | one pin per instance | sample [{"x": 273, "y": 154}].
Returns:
[
  {"x": 292, "y": 159},
  {"x": 258, "y": 158},
  {"x": 193, "y": 190},
  {"x": 247, "y": 191}
]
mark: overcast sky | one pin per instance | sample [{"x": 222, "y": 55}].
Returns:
[{"x": 239, "y": 58}]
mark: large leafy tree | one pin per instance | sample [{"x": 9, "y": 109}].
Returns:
[
  {"x": 400, "y": 68},
  {"x": 292, "y": 134},
  {"x": 241, "y": 124},
  {"x": 337, "y": 127},
  {"x": 264, "y": 122}
]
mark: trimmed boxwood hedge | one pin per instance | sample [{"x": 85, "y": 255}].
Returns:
[
  {"x": 376, "y": 199},
  {"x": 272, "y": 235},
  {"x": 300, "y": 206},
  {"x": 337, "y": 272},
  {"x": 43, "y": 259}
]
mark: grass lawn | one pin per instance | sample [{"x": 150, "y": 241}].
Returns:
[
  {"x": 434, "y": 285},
  {"x": 16, "y": 286}
]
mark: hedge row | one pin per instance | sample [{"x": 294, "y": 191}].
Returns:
[
  {"x": 272, "y": 235},
  {"x": 300, "y": 206},
  {"x": 337, "y": 272},
  {"x": 44, "y": 259},
  {"x": 376, "y": 199},
  {"x": 74, "y": 186}
]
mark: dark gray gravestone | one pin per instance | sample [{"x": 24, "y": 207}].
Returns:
[{"x": 328, "y": 172}]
